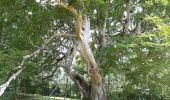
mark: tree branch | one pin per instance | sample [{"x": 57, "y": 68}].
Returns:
[
  {"x": 20, "y": 68},
  {"x": 75, "y": 13}
]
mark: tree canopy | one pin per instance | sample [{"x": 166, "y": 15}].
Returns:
[{"x": 109, "y": 49}]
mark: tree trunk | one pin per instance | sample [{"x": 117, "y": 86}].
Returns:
[
  {"x": 97, "y": 91},
  {"x": 102, "y": 33},
  {"x": 127, "y": 19},
  {"x": 82, "y": 35}
]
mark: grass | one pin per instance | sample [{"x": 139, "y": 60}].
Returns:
[{"x": 39, "y": 97}]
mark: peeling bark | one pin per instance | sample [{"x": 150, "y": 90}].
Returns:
[
  {"x": 97, "y": 92},
  {"x": 79, "y": 81},
  {"x": 82, "y": 36},
  {"x": 82, "y": 85}
]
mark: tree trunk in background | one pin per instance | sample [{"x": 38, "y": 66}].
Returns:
[
  {"x": 102, "y": 33},
  {"x": 127, "y": 18},
  {"x": 97, "y": 91},
  {"x": 138, "y": 27}
]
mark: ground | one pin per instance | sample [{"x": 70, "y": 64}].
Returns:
[{"x": 39, "y": 97}]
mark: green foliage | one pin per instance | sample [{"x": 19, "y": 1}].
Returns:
[
  {"x": 143, "y": 59},
  {"x": 79, "y": 67},
  {"x": 140, "y": 63},
  {"x": 8, "y": 61}
]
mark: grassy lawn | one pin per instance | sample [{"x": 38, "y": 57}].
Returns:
[{"x": 39, "y": 97}]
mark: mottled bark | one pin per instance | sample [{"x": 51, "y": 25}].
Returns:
[
  {"x": 79, "y": 81},
  {"x": 97, "y": 92},
  {"x": 83, "y": 35}
]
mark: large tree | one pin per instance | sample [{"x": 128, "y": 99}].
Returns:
[{"x": 51, "y": 32}]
